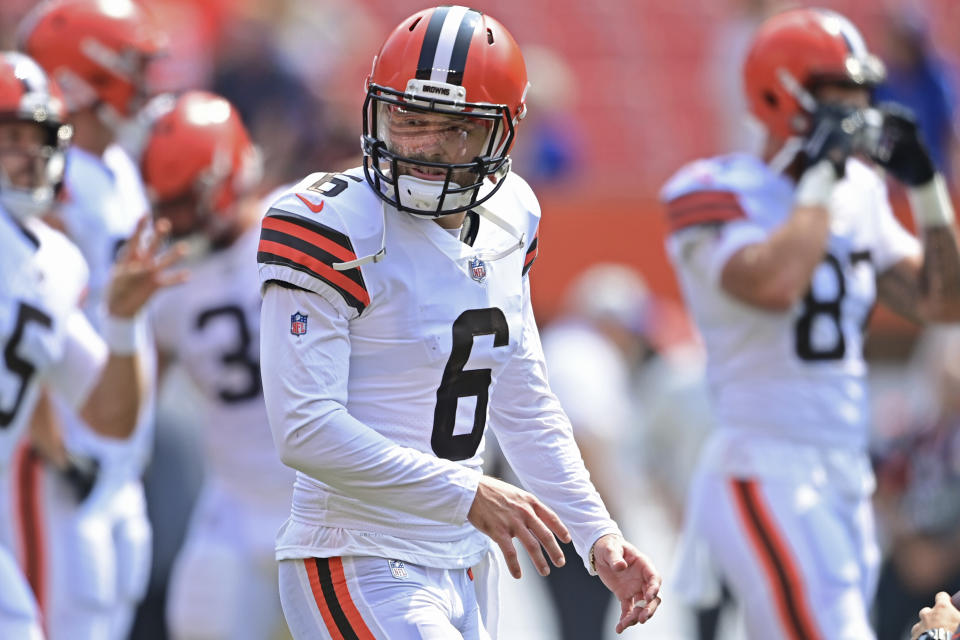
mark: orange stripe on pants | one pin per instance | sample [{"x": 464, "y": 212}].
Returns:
[
  {"x": 311, "y": 567},
  {"x": 776, "y": 560}
]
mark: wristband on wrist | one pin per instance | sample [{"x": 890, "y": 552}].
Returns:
[
  {"x": 931, "y": 204},
  {"x": 121, "y": 334},
  {"x": 934, "y": 634},
  {"x": 816, "y": 185}
]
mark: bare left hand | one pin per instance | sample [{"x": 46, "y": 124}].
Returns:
[
  {"x": 631, "y": 576},
  {"x": 943, "y": 615},
  {"x": 141, "y": 269}
]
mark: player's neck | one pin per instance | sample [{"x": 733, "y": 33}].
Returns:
[
  {"x": 452, "y": 221},
  {"x": 89, "y": 133},
  {"x": 772, "y": 147}
]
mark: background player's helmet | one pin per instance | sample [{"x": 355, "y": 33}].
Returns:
[
  {"x": 795, "y": 51},
  {"x": 198, "y": 154},
  {"x": 96, "y": 50},
  {"x": 28, "y": 95},
  {"x": 444, "y": 60}
]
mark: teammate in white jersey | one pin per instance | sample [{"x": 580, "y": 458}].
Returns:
[
  {"x": 98, "y": 52},
  {"x": 201, "y": 170},
  {"x": 396, "y": 323},
  {"x": 780, "y": 259},
  {"x": 45, "y": 338}
]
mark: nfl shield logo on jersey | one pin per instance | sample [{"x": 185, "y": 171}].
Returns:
[
  {"x": 397, "y": 569},
  {"x": 298, "y": 324},
  {"x": 478, "y": 270}
]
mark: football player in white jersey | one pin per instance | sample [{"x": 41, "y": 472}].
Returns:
[
  {"x": 45, "y": 338},
  {"x": 396, "y": 324},
  {"x": 201, "y": 169},
  {"x": 780, "y": 259},
  {"x": 98, "y": 53}
]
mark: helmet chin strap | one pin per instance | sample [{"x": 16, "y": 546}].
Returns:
[
  {"x": 521, "y": 240},
  {"x": 481, "y": 210},
  {"x": 376, "y": 257},
  {"x": 792, "y": 145},
  {"x": 782, "y": 158}
]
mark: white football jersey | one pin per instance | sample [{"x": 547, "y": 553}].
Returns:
[
  {"x": 380, "y": 380},
  {"x": 211, "y": 325},
  {"x": 105, "y": 199},
  {"x": 798, "y": 374},
  {"x": 42, "y": 278},
  {"x": 45, "y": 340}
]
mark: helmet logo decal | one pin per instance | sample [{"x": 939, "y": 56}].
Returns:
[{"x": 443, "y": 54}]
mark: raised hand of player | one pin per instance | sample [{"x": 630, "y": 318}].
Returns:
[
  {"x": 900, "y": 149},
  {"x": 833, "y": 135},
  {"x": 943, "y": 615},
  {"x": 504, "y": 512},
  {"x": 142, "y": 268},
  {"x": 631, "y": 577}
]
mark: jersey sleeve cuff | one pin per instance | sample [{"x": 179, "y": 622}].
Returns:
[
  {"x": 468, "y": 482},
  {"x": 587, "y": 553}
]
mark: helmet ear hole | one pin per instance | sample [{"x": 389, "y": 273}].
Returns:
[
  {"x": 771, "y": 99},
  {"x": 414, "y": 24},
  {"x": 489, "y": 36}
]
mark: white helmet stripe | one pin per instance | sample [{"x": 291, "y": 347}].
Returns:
[
  {"x": 836, "y": 23},
  {"x": 28, "y": 73},
  {"x": 448, "y": 36}
]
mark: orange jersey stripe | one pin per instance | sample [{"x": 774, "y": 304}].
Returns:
[
  {"x": 703, "y": 207},
  {"x": 29, "y": 468},
  {"x": 705, "y": 217},
  {"x": 310, "y": 564},
  {"x": 346, "y": 602},
  {"x": 321, "y": 269},
  {"x": 312, "y": 237},
  {"x": 777, "y": 561}
]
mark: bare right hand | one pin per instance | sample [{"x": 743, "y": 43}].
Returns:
[
  {"x": 504, "y": 512},
  {"x": 142, "y": 268}
]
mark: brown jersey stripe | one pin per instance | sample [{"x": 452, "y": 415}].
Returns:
[
  {"x": 274, "y": 253},
  {"x": 532, "y": 253},
  {"x": 777, "y": 561},
  {"x": 311, "y": 566},
  {"x": 341, "y": 618},
  {"x": 705, "y": 216},
  {"x": 311, "y": 250},
  {"x": 701, "y": 198},
  {"x": 346, "y": 601},
  {"x": 319, "y": 235}
]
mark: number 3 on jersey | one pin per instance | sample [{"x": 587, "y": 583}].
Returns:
[
  {"x": 457, "y": 383},
  {"x": 821, "y": 307}
]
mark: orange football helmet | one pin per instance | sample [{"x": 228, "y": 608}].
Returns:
[
  {"x": 199, "y": 155},
  {"x": 794, "y": 51},
  {"x": 28, "y": 95},
  {"x": 97, "y": 50},
  {"x": 465, "y": 66}
]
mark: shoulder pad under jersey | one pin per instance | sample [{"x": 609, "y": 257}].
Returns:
[
  {"x": 324, "y": 220},
  {"x": 61, "y": 261},
  {"x": 713, "y": 190},
  {"x": 517, "y": 203}
]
